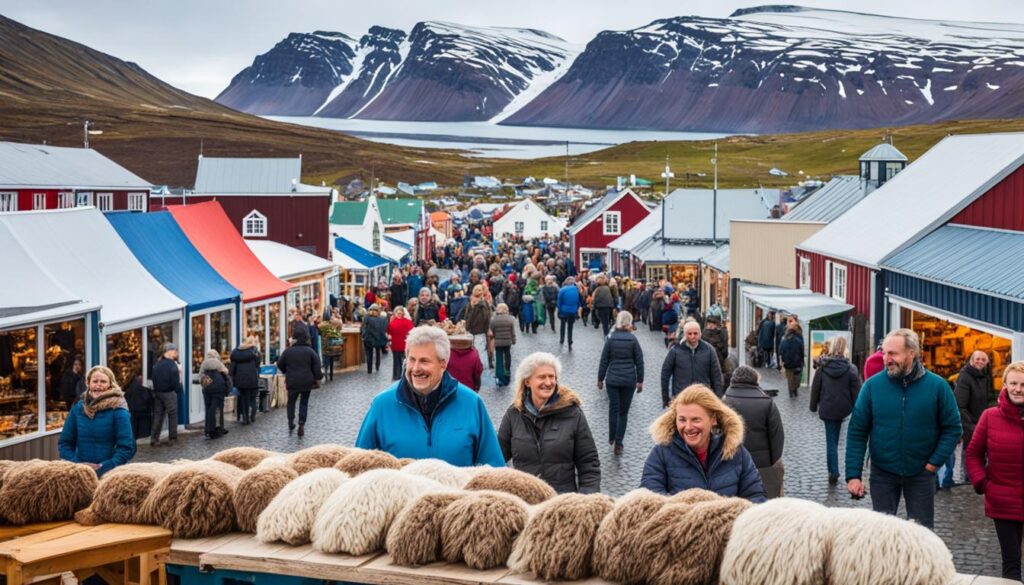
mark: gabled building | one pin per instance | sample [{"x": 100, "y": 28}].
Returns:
[
  {"x": 527, "y": 220},
  {"x": 401, "y": 215},
  {"x": 612, "y": 216}
]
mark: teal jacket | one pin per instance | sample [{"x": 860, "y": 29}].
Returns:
[
  {"x": 460, "y": 431},
  {"x": 911, "y": 421}
]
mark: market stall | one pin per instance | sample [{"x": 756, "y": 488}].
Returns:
[
  {"x": 213, "y": 305},
  {"x": 263, "y": 294},
  {"x": 360, "y": 268},
  {"x": 310, "y": 274},
  {"x": 714, "y": 279}
]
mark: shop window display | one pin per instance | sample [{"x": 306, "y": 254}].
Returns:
[
  {"x": 309, "y": 298},
  {"x": 275, "y": 330},
  {"x": 256, "y": 324},
  {"x": 19, "y": 382},
  {"x": 64, "y": 342},
  {"x": 198, "y": 342},
  {"x": 220, "y": 333},
  {"x": 947, "y": 346},
  {"x": 124, "y": 355},
  {"x": 157, "y": 336}
]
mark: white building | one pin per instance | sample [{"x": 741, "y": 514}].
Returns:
[{"x": 528, "y": 220}]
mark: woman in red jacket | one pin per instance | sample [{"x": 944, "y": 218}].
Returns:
[
  {"x": 398, "y": 330},
  {"x": 999, "y": 439}
]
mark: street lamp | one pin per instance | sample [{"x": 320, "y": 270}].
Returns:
[
  {"x": 714, "y": 200},
  {"x": 668, "y": 174},
  {"x": 86, "y": 132}
]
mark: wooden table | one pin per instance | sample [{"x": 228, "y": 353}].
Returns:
[
  {"x": 12, "y": 532},
  {"x": 353, "y": 356},
  {"x": 118, "y": 553}
]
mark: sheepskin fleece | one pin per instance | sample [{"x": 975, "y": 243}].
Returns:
[
  {"x": 481, "y": 528},
  {"x": 243, "y": 457},
  {"x": 356, "y": 518},
  {"x": 359, "y": 461},
  {"x": 443, "y": 472},
  {"x": 405, "y": 461},
  {"x": 415, "y": 536},
  {"x": 289, "y": 516},
  {"x": 122, "y": 492},
  {"x": 684, "y": 543},
  {"x": 46, "y": 491},
  {"x": 86, "y": 517},
  {"x": 694, "y": 496},
  {"x": 533, "y": 490},
  {"x": 256, "y": 488},
  {"x": 195, "y": 500},
  {"x": 558, "y": 541},
  {"x": 615, "y": 552},
  {"x": 785, "y": 540},
  {"x": 873, "y": 548},
  {"x": 318, "y": 456}
]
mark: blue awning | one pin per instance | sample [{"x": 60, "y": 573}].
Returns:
[
  {"x": 166, "y": 252},
  {"x": 398, "y": 242},
  {"x": 365, "y": 258}
]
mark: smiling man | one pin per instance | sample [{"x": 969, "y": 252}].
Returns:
[{"x": 428, "y": 413}]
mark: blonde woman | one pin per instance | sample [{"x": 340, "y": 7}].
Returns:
[
  {"x": 699, "y": 444},
  {"x": 834, "y": 391},
  {"x": 98, "y": 430}
]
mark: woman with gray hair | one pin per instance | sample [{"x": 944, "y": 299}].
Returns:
[
  {"x": 763, "y": 436},
  {"x": 544, "y": 431},
  {"x": 622, "y": 367}
]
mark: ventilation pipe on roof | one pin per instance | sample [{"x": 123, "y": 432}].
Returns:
[{"x": 295, "y": 183}]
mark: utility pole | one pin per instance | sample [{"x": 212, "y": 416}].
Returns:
[
  {"x": 566, "y": 168},
  {"x": 85, "y": 134},
  {"x": 714, "y": 200},
  {"x": 668, "y": 174}
]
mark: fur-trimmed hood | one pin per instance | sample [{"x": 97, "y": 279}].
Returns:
[
  {"x": 730, "y": 426},
  {"x": 566, "y": 398}
]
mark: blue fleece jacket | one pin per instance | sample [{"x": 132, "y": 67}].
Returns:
[
  {"x": 568, "y": 301},
  {"x": 105, "y": 439},
  {"x": 460, "y": 431}
]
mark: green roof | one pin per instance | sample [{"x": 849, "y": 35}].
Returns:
[
  {"x": 399, "y": 211},
  {"x": 349, "y": 212}
]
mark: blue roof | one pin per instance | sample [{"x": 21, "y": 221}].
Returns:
[
  {"x": 367, "y": 258},
  {"x": 398, "y": 242},
  {"x": 960, "y": 256},
  {"x": 166, "y": 252}
]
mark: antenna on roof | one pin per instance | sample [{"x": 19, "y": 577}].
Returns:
[{"x": 200, "y": 148}]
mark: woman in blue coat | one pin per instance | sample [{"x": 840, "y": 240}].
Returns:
[
  {"x": 700, "y": 445},
  {"x": 98, "y": 430}
]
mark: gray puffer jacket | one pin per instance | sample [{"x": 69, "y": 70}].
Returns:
[
  {"x": 503, "y": 328},
  {"x": 763, "y": 435}
]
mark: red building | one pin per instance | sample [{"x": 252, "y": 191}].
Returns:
[
  {"x": 35, "y": 176},
  {"x": 615, "y": 214},
  {"x": 264, "y": 200}
]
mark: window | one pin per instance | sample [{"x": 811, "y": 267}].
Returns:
[
  {"x": 839, "y": 282},
  {"x": 805, "y": 272},
  {"x": 520, "y": 228},
  {"x": 65, "y": 200},
  {"x": 8, "y": 202},
  {"x": 39, "y": 201},
  {"x": 543, "y": 226},
  {"x": 105, "y": 201},
  {"x": 612, "y": 223},
  {"x": 254, "y": 225},
  {"x": 136, "y": 202},
  {"x": 83, "y": 199}
]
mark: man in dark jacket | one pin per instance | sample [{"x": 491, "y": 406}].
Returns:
[
  {"x": 245, "y": 373},
  {"x": 718, "y": 337},
  {"x": 166, "y": 388},
  {"x": 766, "y": 339},
  {"x": 301, "y": 368},
  {"x": 643, "y": 303},
  {"x": 549, "y": 292},
  {"x": 791, "y": 355},
  {"x": 763, "y": 435},
  {"x": 691, "y": 361},
  {"x": 398, "y": 291},
  {"x": 973, "y": 392}
]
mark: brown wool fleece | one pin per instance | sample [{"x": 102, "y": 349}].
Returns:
[
  {"x": 685, "y": 543},
  {"x": 615, "y": 554},
  {"x": 557, "y": 543},
  {"x": 415, "y": 536},
  {"x": 533, "y": 490},
  {"x": 243, "y": 457},
  {"x": 123, "y": 491},
  {"x": 255, "y": 489},
  {"x": 694, "y": 496},
  {"x": 480, "y": 529},
  {"x": 359, "y": 461},
  {"x": 46, "y": 491},
  {"x": 405, "y": 461},
  {"x": 785, "y": 540},
  {"x": 317, "y": 457},
  {"x": 86, "y": 517},
  {"x": 195, "y": 500}
]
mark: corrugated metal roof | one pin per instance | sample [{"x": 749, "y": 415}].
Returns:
[
  {"x": 829, "y": 202},
  {"x": 348, "y": 212},
  {"x": 400, "y": 211},
  {"x": 639, "y": 232},
  {"x": 922, "y": 197},
  {"x": 653, "y": 251},
  {"x": 690, "y": 211},
  {"x": 962, "y": 256},
  {"x": 883, "y": 151},
  {"x": 35, "y": 165},
  {"x": 719, "y": 259},
  {"x": 251, "y": 175}
]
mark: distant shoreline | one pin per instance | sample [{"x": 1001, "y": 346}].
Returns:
[{"x": 459, "y": 138}]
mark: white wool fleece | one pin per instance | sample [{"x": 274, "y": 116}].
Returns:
[
  {"x": 356, "y": 518},
  {"x": 444, "y": 472},
  {"x": 785, "y": 540},
  {"x": 289, "y": 516}
]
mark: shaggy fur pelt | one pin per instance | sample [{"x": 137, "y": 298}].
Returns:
[
  {"x": 195, "y": 500},
  {"x": 684, "y": 543},
  {"x": 256, "y": 488},
  {"x": 6, "y": 466},
  {"x": 123, "y": 491},
  {"x": 785, "y": 540},
  {"x": 481, "y": 528},
  {"x": 86, "y": 517},
  {"x": 317, "y": 457},
  {"x": 533, "y": 490},
  {"x": 243, "y": 457},
  {"x": 359, "y": 461},
  {"x": 693, "y": 496},
  {"x": 443, "y": 472},
  {"x": 615, "y": 553},
  {"x": 290, "y": 515},
  {"x": 415, "y": 536},
  {"x": 46, "y": 491},
  {"x": 558, "y": 541},
  {"x": 405, "y": 461},
  {"x": 356, "y": 518},
  {"x": 870, "y": 547}
]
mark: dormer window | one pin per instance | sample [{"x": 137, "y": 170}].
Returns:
[{"x": 254, "y": 225}]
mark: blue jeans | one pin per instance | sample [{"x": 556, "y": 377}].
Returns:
[
  {"x": 619, "y": 399},
  {"x": 944, "y": 476},
  {"x": 918, "y": 493},
  {"x": 832, "y": 430},
  {"x": 503, "y": 371}
]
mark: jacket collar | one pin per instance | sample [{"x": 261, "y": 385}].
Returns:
[
  {"x": 730, "y": 425},
  {"x": 916, "y": 372},
  {"x": 1009, "y": 409},
  {"x": 565, "y": 399},
  {"x": 714, "y": 448},
  {"x": 404, "y": 390},
  {"x": 746, "y": 391}
]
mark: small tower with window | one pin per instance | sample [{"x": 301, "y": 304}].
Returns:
[{"x": 879, "y": 164}]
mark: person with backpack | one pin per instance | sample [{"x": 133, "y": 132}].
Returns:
[
  {"x": 213, "y": 377},
  {"x": 302, "y": 370}
]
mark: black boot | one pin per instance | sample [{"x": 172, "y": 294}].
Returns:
[
  {"x": 302, "y": 429},
  {"x": 291, "y": 427}
]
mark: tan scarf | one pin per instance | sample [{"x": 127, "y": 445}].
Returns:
[{"x": 108, "y": 401}]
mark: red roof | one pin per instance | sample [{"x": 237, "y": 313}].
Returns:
[{"x": 211, "y": 232}]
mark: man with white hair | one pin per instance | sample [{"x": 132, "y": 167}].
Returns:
[
  {"x": 691, "y": 361},
  {"x": 429, "y": 414}
]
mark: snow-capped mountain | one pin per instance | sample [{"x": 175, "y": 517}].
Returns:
[
  {"x": 440, "y": 71},
  {"x": 787, "y": 68}
]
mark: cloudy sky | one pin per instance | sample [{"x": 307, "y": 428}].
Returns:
[{"x": 199, "y": 45}]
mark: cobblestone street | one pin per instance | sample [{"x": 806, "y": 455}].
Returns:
[{"x": 337, "y": 409}]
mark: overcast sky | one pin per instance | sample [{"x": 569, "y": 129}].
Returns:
[{"x": 199, "y": 45}]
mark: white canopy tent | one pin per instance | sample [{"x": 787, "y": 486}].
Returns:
[{"x": 286, "y": 262}]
